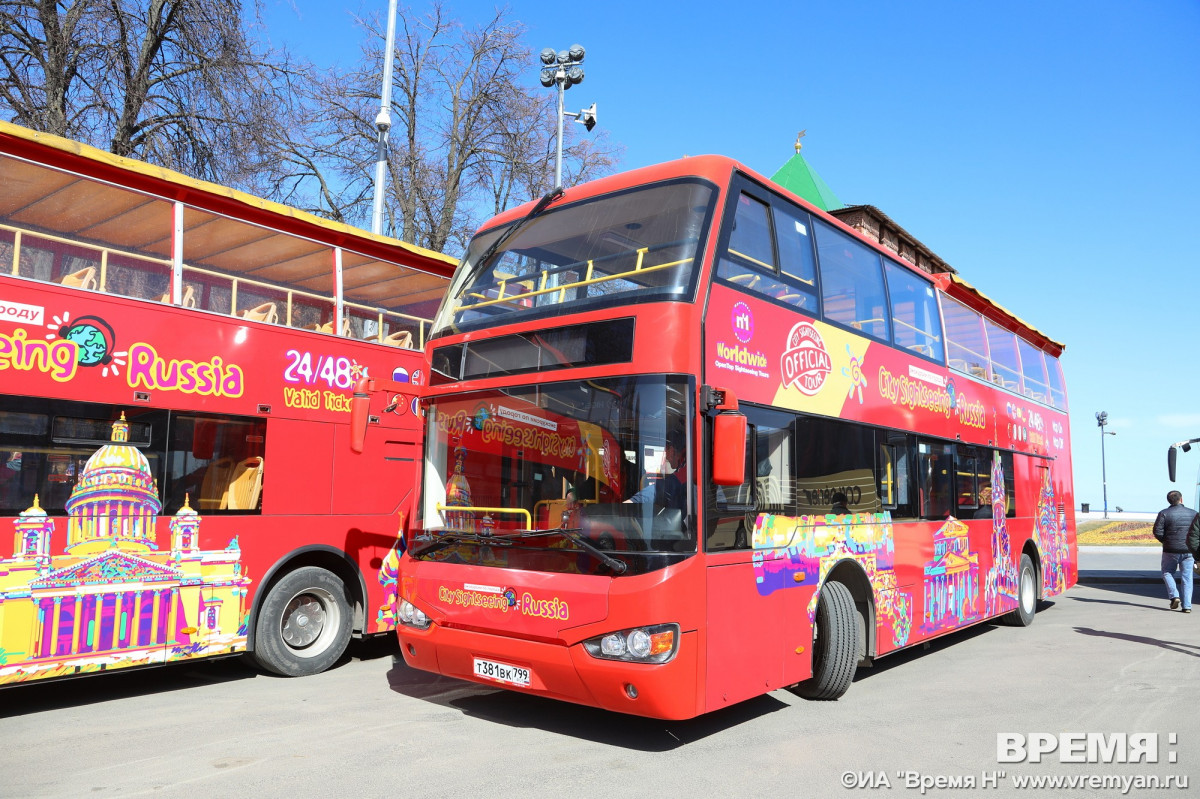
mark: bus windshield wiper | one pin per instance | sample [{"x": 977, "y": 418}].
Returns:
[
  {"x": 445, "y": 539},
  {"x": 506, "y": 235},
  {"x": 573, "y": 535}
]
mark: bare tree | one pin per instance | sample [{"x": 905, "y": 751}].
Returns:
[
  {"x": 174, "y": 82},
  {"x": 182, "y": 83},
  {"x": 42, "y": 52},
  {"x": 323, "y": 159},
  {"x": 469, "y": 138}
]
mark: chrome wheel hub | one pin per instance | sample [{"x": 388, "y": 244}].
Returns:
[{"x": 303, "y": 620}]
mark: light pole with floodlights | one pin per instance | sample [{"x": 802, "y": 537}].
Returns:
[
  {"x": 1101, "y": 421},
  {"x": 565, "y": 68}
]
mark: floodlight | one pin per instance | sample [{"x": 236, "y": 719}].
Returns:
[
  {"x": 548, "y": 55},
  {"x": 563, "y": 57},
  {"x": 548, "y": 76},
  {"x": 575, "y": 74},
  {"x": 576, "y": 53}
]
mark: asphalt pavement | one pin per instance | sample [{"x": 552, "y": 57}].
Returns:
[{"x": 1113, "y": 565}]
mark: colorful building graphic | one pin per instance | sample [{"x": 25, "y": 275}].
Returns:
[
  {"x": 1000, "y": 584},
  {"x": 113, "y": 599},
  {"x": 790, "y": 551},
  {"x": 389, "y": 571},
  {"x": 951, "y": 580},
  {"x": 1050, "y": 533},
  {"x": 458, "y": 495}
]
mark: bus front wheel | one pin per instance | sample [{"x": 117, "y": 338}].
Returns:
[
  {"x": 304, "y": 623},
  {"x": 836, "y": 644},
  {"x": 1027, "y": 595}
]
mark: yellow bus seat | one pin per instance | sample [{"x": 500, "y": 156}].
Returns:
[
  {"x": 245, "y": 485},
  {"x": 401, "y": 338},
  {"x": 213, "y": 484},
  {"x": 83, "y": 279},
  {"x": 267, "y": 312},
  {"x": 189, "y": 297}
]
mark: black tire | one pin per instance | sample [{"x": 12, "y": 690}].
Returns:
[
  {"x": 836, "y": 645},
  {"x": 304, "y": 623},
  {"x": 1027, "y": 595}
]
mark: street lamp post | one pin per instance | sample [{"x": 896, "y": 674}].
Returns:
[
  {"x": 1101, "y": 421},
  {"x": 565, "y": 69},
  {"x": 383, "y": 122}
]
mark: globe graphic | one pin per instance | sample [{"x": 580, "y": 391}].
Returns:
[{"x": 92, "y": 346}]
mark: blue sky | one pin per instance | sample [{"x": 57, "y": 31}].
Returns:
[{"x": 1049, "y": 151}]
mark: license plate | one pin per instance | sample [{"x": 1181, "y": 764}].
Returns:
[{"x": 501, "y": 672}]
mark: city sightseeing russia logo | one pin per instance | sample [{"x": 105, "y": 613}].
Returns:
[
  {"x": 742, "y": 322},
  {"x": 805, "y": 363}
]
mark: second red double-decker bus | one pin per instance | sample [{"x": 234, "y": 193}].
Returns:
[
  {"x": 177, "y": 362},
  {"x": 689, "y": 440}
]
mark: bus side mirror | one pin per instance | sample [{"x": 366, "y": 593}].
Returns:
[
  {"x": 1171, "y": 455},
  {"x": 729, "y": 449},
  {"x": 360, "y": 406}
]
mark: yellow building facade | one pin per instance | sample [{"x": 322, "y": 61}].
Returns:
[{"x": 112, "y": 598}]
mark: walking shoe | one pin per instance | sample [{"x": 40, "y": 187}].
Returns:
[
  {"x": 1174, "y": 602},
  {"x": 1187, "y": 610}
]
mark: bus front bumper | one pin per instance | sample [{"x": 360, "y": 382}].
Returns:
[{"x": 569, "y": 673}]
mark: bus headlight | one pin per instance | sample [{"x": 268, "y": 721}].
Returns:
[
  {"x": 654, "y": 644},
  {"x": 412, "y": 616}
]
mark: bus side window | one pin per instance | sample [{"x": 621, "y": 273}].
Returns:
[
  {"x": 749, "y": 258},
  {"x": 729, "y": 507},
  {"x": 835, "y": 457},
  {"x": 916, "y": 325},
  {"x": 769, "y": 485},
  {"x": 852, "y": 290},
  {"x": 750, "y": 239},
  {"x": 894, "y": 474},
  {"x": 797, "y": 263},
  {"x": 972, "y": 484},
  {"x": 216, "y": 463},
  {"x": 1010, "y": 485},
  {"x": 935, "y": 469}
]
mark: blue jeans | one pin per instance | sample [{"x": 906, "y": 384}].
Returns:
[{"x": 1183, "y": 562}]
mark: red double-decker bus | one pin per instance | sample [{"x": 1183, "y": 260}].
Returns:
[
  {"x": 690, "y": 439},
  {"x": 177, "y": 362}
]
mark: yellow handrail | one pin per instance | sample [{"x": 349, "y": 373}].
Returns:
[
  {"x": 479, "y": 509},
  {"x": 637, "y": 270},
  {"x": 751, "y": 259}
]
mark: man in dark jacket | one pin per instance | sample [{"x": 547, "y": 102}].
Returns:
[{"x": 1171, "y": 528}]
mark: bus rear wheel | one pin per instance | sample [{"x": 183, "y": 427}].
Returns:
[
  {"x": 1027, "y": 595},
  {"x": 836, "y": 639},
  {"x": 304, "y": 623}
]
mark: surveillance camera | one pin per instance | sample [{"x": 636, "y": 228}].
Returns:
[
  {"x": 383, "y": 120},
  {"x": 587, "y": 117}
]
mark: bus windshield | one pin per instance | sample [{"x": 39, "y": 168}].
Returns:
[
  {"x": 538, "y": 476},
  {"x": 637, "y": 245}
]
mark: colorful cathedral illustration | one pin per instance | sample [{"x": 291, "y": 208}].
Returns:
[
  {"x": 113, "y": 598},
  {"x": 951, "y": 580}
]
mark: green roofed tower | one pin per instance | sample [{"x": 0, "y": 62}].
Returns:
[{"x": 799, "y": 178}]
